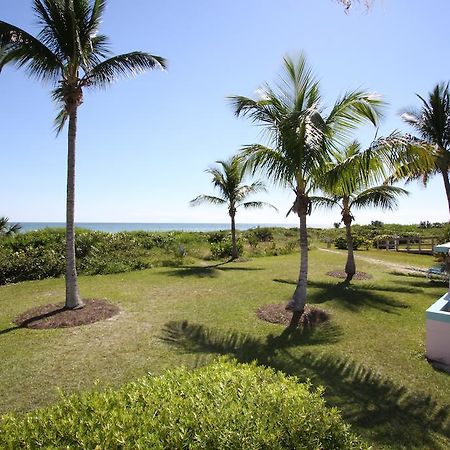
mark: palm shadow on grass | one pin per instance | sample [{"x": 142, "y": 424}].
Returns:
[
  {"x": 211, "y": 271},
  {"x": 419, "y": 281},
  {"x": 195, "y": 338},
  {"x": 381, "y": 411},
  {"x": 354, "y": 298},
  {"x": 27, "y": 322}
]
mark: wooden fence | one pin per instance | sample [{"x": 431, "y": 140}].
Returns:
[{"x": 408, "y": 244}]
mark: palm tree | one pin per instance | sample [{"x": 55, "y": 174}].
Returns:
[
  {"x": 352, "y": 190},
  {"x": 227, "y": 178},
  {"x": 7, "y": 229},
  {"x": 71, "y": 54},
  {"x": 432, "y": 122},
  {"x": 301, "y": 138}
]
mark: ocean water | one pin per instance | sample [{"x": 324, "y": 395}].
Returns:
[{"x": 112, "y": 227}]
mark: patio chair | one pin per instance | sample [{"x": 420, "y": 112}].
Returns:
[{"x": 439, "y": 270}]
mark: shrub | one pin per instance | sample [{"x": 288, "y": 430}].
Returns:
[
  {"x": 361, "y": 242},
  {"x": 262, "y": 234},
  {"x": 358, "y": 242},
  {"x": 30, "y": 264},
  {"x": 223, "y": 248},
  {"x": 216, "y": 236},
  {"x": 41, "y": 254},
  {"x": 221, "y": 406},
  {"x": 340, "y": 243}
]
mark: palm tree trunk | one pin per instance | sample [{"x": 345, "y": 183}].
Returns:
[
  {"x": 350, "y": 266},
  {"x": 234, "y": 252},
  {"x": 447, "y": 186},
  {"x": 298, "y": 302},
  {"x": 73, "y": 300}
]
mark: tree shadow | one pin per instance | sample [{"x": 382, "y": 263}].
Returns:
[
  {"x": 424, "y": 282},
  {"x": 9, "y": 330},
  {"x": 354, "y": 298},
  {"x": 25, "y": 323},
  {"x": 194, "y": 338},
  {"x": 388, "y": 413},
  {"x": 205, "y": 271},
  {"x": 380, "y": 410}
]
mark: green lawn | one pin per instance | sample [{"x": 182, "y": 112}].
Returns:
[{"x": 370, "y": 357}]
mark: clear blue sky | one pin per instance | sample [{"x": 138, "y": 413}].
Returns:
[{"x": 144, "y": 143}]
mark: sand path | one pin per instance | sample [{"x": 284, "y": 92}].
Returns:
[{"x": 390, "y": 265}]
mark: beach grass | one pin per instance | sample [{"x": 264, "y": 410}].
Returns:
[{"x": 370, "y": 356}]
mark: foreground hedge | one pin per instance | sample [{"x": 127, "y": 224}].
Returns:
[{"x": 221, "y": 406}]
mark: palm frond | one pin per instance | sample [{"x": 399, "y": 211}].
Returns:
[
  {"x": 254, "y": 188},
  {"x": 22, "y": 49},
  {"x": 352, "y": 170},
  {"x": 125, "y": 65},
  {"x": 265, "y": 159},
  {"x": 207, "y": 199},
  {"x": 257, "y": 205},
  {"x": 351, "y": 110},
  {"x": 404, "y": 155},
  {"x": 323, "y": 202},
  {"x": 385, "y": 197}
]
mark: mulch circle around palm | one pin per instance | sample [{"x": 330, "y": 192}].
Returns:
[
  {"x": 56, "y": 316},
  {"x": 276, "y": 313},
  {"x": 357, "y": 276}
]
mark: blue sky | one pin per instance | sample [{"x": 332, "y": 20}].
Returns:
[{"x": 144, "y": 143}]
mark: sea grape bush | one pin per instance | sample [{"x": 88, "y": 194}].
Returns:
[{"x": 225, "y": 405}]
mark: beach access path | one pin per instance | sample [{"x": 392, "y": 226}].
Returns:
[{"x": 395, "y": 266}]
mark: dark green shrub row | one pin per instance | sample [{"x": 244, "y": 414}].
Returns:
[
  {"x": 40, "y": 254},
  {"x": 222, "y": 406}
]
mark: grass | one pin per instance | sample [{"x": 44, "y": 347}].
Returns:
[{"x": 370, "y": 357}]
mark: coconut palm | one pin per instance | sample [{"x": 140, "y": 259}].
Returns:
[
  {"x": 227, "y": 178},
  {"x": 301, "y": 136},
  {"x": 353, "y": 190},
  {"x": 7, "y": 229},
  {"x": 432, "y": 122},
  {"x": 70, "y": 53}
]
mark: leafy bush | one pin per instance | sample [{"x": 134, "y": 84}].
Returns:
[
  {"x": 216, "y": 236},
  {"x": 361, "y": 242},
  {"x": 40, "y": 254},
  {"x": 30, "y": 264},
  {"x": 222, "y": 406},
  {"x": 358, "y": 242},
  {"x": 223, "y": 248},
  {"x": 262, "y": 234}
]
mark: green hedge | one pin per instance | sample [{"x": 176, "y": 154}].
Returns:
[
  {"x": 40, "y": 254},
  {"x": 225, "y": 405}
]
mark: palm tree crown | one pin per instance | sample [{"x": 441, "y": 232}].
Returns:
[
  {"x": 69, "y": 51},
  {"x": 228, "y": 178},
  {"x": 7, "y": 229},
  {"x": 432, "y": 122}
]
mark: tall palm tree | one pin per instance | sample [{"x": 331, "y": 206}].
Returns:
[
  {"x": 301, "y": 136},
  {"x": 227, "y": 178},
  {"x": 6, "y": 229},
  {"x": 69, "y": 52},
  {"x": 432, "y": 122},
  {"x": 353, "y": 190}
]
